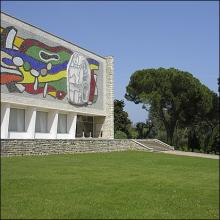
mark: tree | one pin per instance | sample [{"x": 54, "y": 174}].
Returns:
[
  {"x": 208, "y": 124},
  {"x": 211, "y": 119},
  {"x": 120, "y": 135},
  {"x": 133, "y": 133},
  {"x": 175, "y": 97},
  {"x": 144, "y": 129},
  {"x": 121, "y": 121}
]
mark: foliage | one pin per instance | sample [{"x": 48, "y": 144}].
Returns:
[
  {"x": 175, "y": 98},
  {"x": 120, "y": 135},
  {"x": 121, "y": 121},
  {"x": 133, "y": 133},
  {"x": 119, "y": 185},
  {"x": 206, "y": 128},
  {"x": 144, "y": 129}
]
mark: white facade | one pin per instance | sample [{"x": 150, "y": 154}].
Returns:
[
  {"x": 30, "y": 123},
  {"x": 30, "y": 105}
]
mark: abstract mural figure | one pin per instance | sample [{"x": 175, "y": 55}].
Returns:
[
  {"x": 81, "y": 83},
  {"x": 28, "y": 65},
  {"x": 33, "y": 67},
  {"x": 10, "y": 73},
  {"x": 94, "y": 66}
]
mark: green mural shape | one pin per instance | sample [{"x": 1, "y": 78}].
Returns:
[{"x": 35, "y": 51}]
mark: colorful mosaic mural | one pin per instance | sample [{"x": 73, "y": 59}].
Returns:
[{"x": 30, "y": 66}]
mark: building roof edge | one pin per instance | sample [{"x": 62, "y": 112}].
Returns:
[{"x": 53, "y": 35}]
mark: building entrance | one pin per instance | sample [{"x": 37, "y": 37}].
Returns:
[{"x": 84, "y": 126}]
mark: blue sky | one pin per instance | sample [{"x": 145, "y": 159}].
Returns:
[{"x": 145, "y": 34}]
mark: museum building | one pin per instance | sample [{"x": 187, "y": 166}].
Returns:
[{"x": 51, "y": 88}]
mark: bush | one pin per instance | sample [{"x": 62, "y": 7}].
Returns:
[
  {"x": 132, "y": 133},
  {"x": 120, "y": 135}
]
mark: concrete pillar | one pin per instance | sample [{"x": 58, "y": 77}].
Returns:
[
  {"x": 71, "y": 125},
  {"x": 52, "y": 123},
  {"x": 108, "y": 126},
  {"x": 98, "y": 126},
  {"x": 30, "y": 120},
  {"x": 5, "y": 114}
]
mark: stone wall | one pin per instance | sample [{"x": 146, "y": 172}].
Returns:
[
  {"x": 16, "y": 147},
  {"x": 108, "y": 125}
]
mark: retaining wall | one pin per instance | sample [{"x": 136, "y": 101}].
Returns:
[{"x": 19, "y": 147}]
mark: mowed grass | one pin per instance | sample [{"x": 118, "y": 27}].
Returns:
[{"x": 109, "y": 185}]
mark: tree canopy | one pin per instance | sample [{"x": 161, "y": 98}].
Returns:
[
  {"x": 121, "y": 121},
  {"x": 175, "y": 97}
]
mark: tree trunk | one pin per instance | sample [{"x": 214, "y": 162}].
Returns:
[
  {"x": 170, "y": 132},
  {"x": 169, "y": 125}
]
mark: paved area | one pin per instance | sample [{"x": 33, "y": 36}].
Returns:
[{"x": 191, "y": 154}]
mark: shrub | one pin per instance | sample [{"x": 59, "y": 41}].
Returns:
[{"x": 120, "y": 135}]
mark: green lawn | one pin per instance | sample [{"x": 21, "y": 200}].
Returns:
[{"x": 109, "y": 185}]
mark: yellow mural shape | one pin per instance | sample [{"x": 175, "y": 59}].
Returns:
[
  {"x": 18, "y": 41},
  {"x": 93, "y": 67},
  {"x": 52, "y": 77},
  {"x": 28, "y": 78},
  {"x": 52, "y": 93}
]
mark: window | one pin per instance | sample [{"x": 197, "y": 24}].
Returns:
[
  {"x": 17, "y": 120},
  {"x": 62, "y": 123},
  {"x": 84, "y": 126},
  {"x": 41, "y": 122}
]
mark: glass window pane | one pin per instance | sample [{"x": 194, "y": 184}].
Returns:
[
  {"x": 84, "y": 124},
  {"x": 17, "y": 120},
  {"x": 90, "y": 119},
  {"x": 41, "y": 122},
  {"x": 62, "y": 123}
]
